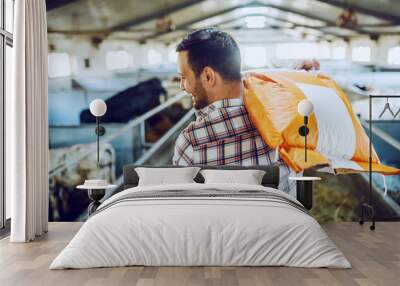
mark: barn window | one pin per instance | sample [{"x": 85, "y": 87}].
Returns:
[
  {"x": 394, "y": 56},
  {"x": 339, "y": 53},
  {"x": 297, "y": 51},
  {"x": 59, "y": 65},
  {"x": 255, "y": 57},
  {"x": 154, "y": 57},
  {"x": 361, "y": 54},
  {"x": 117, "y": 60}
]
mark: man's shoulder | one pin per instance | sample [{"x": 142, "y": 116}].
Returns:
[
  {"x": 218, "y": 124},
  {"x": 220, "y": 114}
]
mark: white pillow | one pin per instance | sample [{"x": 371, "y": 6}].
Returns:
[
  {"x": 163, "y": 176},
  {"x": 248, "y": 177}
]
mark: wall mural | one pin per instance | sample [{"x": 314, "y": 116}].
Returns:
[{"x": 146, "y": 112}]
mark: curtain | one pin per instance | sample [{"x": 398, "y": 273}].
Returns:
[{"x": 27, "y": 124}]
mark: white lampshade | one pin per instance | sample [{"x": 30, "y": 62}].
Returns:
[
  {"x": 98, "y": 107},
  {"x": 305, "y": 107}
]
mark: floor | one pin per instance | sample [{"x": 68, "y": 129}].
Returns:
[{"x": 375, "y": 257}]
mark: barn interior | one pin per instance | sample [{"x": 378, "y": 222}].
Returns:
[{"x": 123, "y": 51}]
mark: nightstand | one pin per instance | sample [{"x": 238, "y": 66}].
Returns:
[
  {"x": 304, "y": 190},
  {"x": 95, "y": 194}
]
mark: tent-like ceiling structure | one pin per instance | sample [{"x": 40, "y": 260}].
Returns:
[{"x": 168, "y": 20}]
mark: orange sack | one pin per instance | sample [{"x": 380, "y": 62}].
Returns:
[{"x": 336, "y": 138}]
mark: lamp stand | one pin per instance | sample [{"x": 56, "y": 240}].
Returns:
[
  {"x": 100, "y": 131},
  {"x": 303, "y": 131}
]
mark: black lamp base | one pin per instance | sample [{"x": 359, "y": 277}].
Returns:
[
  {"x": 303, "y": 130},
  {"x": 304, "y": 192},
  {"x": 100, "y": 130}
]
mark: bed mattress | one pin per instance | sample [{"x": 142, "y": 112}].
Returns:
[{"x": 201, "y": 225}]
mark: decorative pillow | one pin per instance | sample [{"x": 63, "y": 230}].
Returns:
[
  {"x": 163, "y": 176},
  {"x": 247, "y": 177}
]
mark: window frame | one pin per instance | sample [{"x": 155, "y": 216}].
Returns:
[{"x": 6, "y": 39}]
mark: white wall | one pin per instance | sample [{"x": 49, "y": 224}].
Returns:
[{"x": 80, "y": 48}]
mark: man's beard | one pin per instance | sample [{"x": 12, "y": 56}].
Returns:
[{"x": 199, "y": 96}]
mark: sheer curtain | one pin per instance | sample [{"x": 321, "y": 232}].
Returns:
[{"x": 27, "y": 124}]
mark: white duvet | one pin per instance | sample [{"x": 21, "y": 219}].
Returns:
[{"x": 200, "y": 231}]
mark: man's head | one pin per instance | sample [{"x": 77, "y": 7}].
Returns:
[{"x": 208, "y": 59}]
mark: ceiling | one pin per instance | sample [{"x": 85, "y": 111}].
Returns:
[{"x": 284, "y": 19}]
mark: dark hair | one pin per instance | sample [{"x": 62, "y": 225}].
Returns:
[{"x": 213, "y": 48}]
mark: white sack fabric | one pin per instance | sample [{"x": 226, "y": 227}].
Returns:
[
  {"x": 27, "y": 124},
  {"x": 199, "y": 229}
]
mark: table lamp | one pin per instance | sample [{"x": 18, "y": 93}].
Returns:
[
  {"x": 305, "y": 109},
  {"x": 98, "y": 108},
  {"x": 304, "y": 184}
]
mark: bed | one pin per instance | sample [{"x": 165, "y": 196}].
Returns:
[{"x": 199, "y": 224}]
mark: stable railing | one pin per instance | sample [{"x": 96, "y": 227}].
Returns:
[{"x": 138, "y": 122}]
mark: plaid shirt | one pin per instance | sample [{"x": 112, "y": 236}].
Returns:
[{"x": 224, "y": 135}]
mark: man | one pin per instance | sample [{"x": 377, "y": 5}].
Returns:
[{"x": 209, "y": 65}]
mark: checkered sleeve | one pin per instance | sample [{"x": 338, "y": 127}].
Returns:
[{"x": 183, "y": 154}]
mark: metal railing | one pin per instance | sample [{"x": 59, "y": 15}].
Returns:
[
  {"x": 396, "y": 145},
  {"x": 376, "y": 130},
  {"x": 160, "y": 142},
  {"x": 382, "y": 135},
  {"x": 137, "y": 122}
]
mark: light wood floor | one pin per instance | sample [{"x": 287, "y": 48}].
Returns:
[{"x": 375, "y": 257}]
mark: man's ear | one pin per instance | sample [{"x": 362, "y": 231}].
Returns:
[{"x": 208, "y": 77}]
